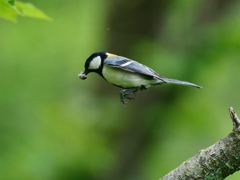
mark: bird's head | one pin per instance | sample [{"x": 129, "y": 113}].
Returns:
[{"x": 94, "y": 64}]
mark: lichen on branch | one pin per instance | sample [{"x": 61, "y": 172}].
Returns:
[{"x": 215, "y": 162}]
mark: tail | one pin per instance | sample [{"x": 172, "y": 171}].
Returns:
[{"x": 175, "y": 81}]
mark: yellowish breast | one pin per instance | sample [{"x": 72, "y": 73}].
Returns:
[{"x": 126, "y": 79}]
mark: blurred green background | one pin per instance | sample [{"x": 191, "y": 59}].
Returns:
[{"x": 53, "y": 126}]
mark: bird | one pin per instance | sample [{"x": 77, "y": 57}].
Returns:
[{"x": 125, "y": 73}]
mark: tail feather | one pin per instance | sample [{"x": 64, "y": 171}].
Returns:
[{"x": 175, "y": 81}]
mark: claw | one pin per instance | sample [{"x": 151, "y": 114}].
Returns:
[
  {"x": 130, "y": 98},
  {"x": 124, "y": 95}
]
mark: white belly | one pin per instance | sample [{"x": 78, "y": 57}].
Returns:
[{"x": 126, "y": 79}]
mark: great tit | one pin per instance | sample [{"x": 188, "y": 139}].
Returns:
[{"x": 125, "y": 73}]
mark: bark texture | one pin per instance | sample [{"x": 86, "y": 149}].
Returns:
[{"x": 215, "y": 162}]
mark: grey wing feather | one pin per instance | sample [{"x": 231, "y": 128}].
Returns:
[{"x": 131, "y": 66}]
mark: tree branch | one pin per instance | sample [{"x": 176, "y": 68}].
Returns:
[{"x": 215, "y": 162}]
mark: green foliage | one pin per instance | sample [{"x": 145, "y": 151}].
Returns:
[
  {"x": 7, "y": 12},
  {"x": 9, "y": 9}
]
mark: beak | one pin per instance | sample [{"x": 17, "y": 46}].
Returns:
[{"x": 85, "y": 72}]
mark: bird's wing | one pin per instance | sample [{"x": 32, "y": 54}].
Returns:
[{"x": 131, "y": 66}]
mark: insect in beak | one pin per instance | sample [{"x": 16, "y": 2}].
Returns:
[{"x": 82, "y": 75}]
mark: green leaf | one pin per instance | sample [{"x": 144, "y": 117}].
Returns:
[
  {"x": 10, "y": 2},
  {"x": 29, "y": 10},
  {"x": 7, "y": 12},
  {"x": 9, "y": 9}
]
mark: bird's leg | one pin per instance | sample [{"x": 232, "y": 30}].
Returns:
[{"x": 124, "y": 94}]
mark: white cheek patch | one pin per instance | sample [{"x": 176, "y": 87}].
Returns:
[{"x": 95, "y": 63}]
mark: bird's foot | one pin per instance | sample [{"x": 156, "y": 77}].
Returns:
[{"x": 124, "y": 94}]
